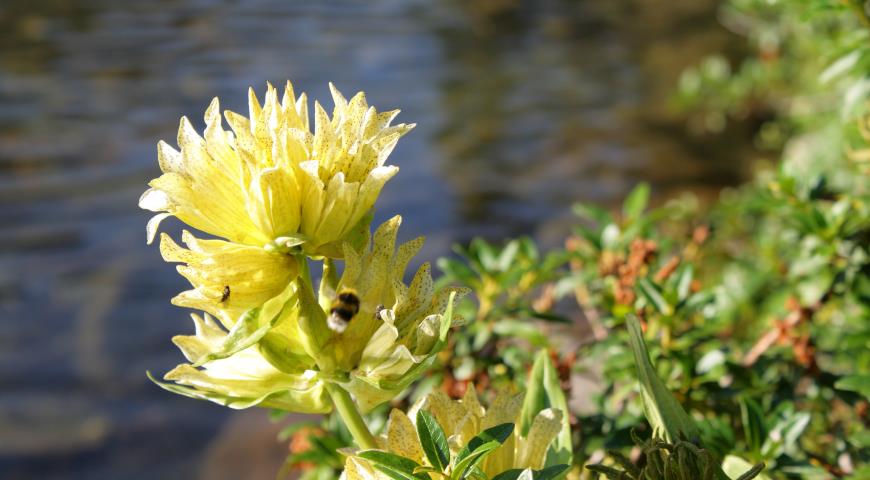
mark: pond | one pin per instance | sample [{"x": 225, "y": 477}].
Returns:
[{"x": 522, "y": 108}]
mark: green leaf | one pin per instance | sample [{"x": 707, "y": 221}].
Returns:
[
  {"x": 458, "y": 270},
  {"x": 521, "y": 329},
  {"x": 475, "y": 473},
  {"x": 553, "y": 471},
  {"x": 787, "y": 433},
  {"x": 547, "y": 316},
  {"x": 635, "y": 203},
  {"x": 508, "y": 255},
  {"x": 512, "y": 474},
  {"x": 543, "y": 474},
  {"x": 428, "y": 469},
  {"x": 860, "y": 439},
  {"x": 498, "y": 433},
  {"x": 664, "y": 413},
  {"x": 841, "y": 66},
  {"x": 543, "y": 392},
  {"x": 484, "y": 254},
  {"x": 466, "y": 465},
  {"x": 684, "y": 282},
  {"x": 433, "y": 440},
  {"x": 592, "y": 212},
  {"x": 477, "y": 448},
  {"x": 653, "y": 295},
  {"x": 855, "y": 383},
  {"x": 394, "y": 466},
  {"x": 753, "y": 424}
]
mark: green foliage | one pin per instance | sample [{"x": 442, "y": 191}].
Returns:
[
  {"x": 505, "y": 280},
  {"x": 547, "y": 473},
  {"x": 662, "y": 460},
  {"x": 746, "y": 322},
  {"x": 395, "y": 466},
  {"x": 462, "y": 465},
  {"x": 313, "y": 450}
]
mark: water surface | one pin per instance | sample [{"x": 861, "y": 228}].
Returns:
[{"x": 522, "y": 108}]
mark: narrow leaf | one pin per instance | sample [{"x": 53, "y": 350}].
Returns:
[
  {"x": 654, "y": 296},
  {"x": 394, "y": 466},
  {"x": 636, "y": 202},
  {"x": 661, "y": 409},
  {"x": 481, "y": 444},
  {"x": 543, "y": 474},
  {"x": 433, "y": 440},
  {"x": 466, "y": 464},
  {"x": 855, "y": 383},
  {"x": 753, "y": 424}
]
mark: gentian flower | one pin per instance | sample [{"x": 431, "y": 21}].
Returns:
[
  {"x": 268, "y": 189},
  {"x": 285, "y": 353},
  {"x": 462, "y": 420}
]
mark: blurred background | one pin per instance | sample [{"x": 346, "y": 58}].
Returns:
[{"x": 522, "y": 106}]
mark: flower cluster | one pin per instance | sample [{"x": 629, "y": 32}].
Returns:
[
  {"x": 267, "y": 186},
  {"x": 461, "y": 423},
  {"x": 279, "y": 196}
]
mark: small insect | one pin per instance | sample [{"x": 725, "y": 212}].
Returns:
[
  {"x": 378, "y": 312},
  {"x": 226, "y": 294},
  {"x": 343, "y": 309}
]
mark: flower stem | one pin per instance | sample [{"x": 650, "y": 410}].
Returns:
[
  {"x": 348, "y": 411},
  {"x": 305, "y": 272}
]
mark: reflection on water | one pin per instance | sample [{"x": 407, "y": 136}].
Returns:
[{"x": 522, "y": 106}]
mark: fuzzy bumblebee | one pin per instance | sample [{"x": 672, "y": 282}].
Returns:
[{"x": 343, "y": 309}]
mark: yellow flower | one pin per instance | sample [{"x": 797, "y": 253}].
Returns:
[
  {"x": 284, "y": 353},
  {"x": 243, "y": 379},
  {"x": 397, "y": 330},
  {"x": 461, "y": 421},
  {"x": 228, "y": 278},
  {"x": 271, "y": 184}
]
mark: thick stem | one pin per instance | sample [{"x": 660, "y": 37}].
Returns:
[
  {"x": 305, "y": 272},
  {"x": 345, "y": 407}
]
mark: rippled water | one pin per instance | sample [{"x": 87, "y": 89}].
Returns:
[{"x": 522, "y": 107}]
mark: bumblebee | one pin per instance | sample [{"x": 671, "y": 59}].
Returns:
[{"x": 343, "y": 309}]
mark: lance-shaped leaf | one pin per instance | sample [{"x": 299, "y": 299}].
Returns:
[
  {"x": 548, "y": 473},
  {"x": 636, "y": 202},
  {"x": 478, "y": 447},
  {"x": 666, "y": 416},
  {"x": 433, "y": 440},
  {"x": 654, "y": 295},
  {"x": 664, "y": 413},
  {"x": 394, "y": 466}
]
